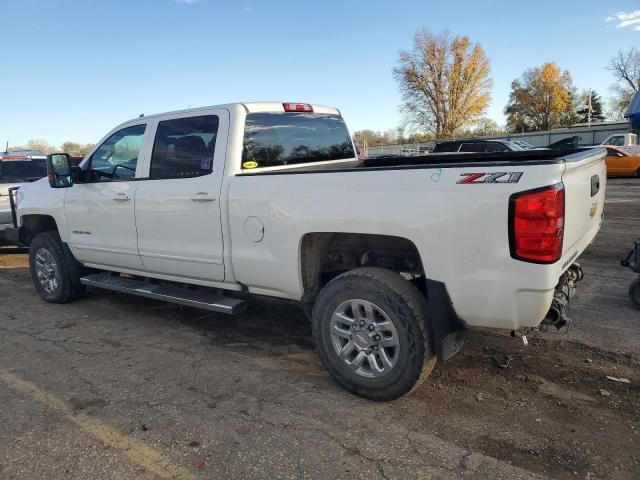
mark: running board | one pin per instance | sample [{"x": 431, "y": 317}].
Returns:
[{"x": 192, "y": 298}]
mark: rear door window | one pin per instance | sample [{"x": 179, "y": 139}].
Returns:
[
  {"x": 495, "y": 147},
  {"x": 446, "y": 147},
  {"x": 184, "y": 147},
  {"x": 277, "y": 139},
  {"x": 472, "y": 147}
]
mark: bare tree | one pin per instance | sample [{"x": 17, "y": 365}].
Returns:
[
  {"x": 41, "y": 145},
  {"x": 444, "y": 82},
  {"x": 625, "y": 67}
]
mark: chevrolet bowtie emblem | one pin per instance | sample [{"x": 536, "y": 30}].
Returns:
[{"x": 594, "y": 209}]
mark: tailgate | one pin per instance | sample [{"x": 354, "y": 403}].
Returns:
[{"x": 584, "y": 179}]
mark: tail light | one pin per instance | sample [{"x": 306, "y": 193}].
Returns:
[
  {"x": 536, "y": 224},
  {"x": 297, "y": 107}
]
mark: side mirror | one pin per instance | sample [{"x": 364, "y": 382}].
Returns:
[{"x": 59, "y": 170}]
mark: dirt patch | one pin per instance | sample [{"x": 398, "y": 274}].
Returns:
[
  {"x": 543, "y": 412},
  {"x": 12, "y": 258}
]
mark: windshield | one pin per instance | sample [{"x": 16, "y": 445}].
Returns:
[{"x": 20, "y": 171}]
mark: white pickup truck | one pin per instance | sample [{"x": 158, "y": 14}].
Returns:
[
  {"x": 624, "y": 141},
  {"x": 392, "y": 258}
]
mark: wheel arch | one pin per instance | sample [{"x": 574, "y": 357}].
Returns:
[
  {"x": 33, "y": 224},
  {"x": 325, "y": 255}
]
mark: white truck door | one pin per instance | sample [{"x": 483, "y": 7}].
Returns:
[
  {"x": 177, "y": 204},
  {"x": 100, "y": 214}
]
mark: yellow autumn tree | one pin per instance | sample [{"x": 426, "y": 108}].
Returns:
[
  {"x": 541, "y": 99},
  {"x": 444, "y": 82}
]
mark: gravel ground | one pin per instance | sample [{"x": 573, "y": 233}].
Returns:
[{"x": 116, "y": 387}]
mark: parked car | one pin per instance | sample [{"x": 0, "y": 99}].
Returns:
[
  {"x": 621, "y": 140},
  {"x": 627, "y": 142},
  {"x": 477, "y": 146},
  {"x": 270, "y": 199},
  {"x": 621, "y": 163},
  {"x": 566, "y": 143}
]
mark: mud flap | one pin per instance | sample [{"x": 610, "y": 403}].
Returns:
[{"x": 447, "y": 330}]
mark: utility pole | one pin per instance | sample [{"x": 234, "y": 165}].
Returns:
[{"x": 589, "y": 109}]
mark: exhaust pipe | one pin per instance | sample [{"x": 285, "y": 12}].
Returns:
[
  {"x": 558, "y": 314},
  {"x": 575, "y": 272}
]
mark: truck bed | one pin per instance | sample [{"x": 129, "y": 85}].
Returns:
[
  {"x": 527, "y": 157},
  {"x": 444, "y": 160}
]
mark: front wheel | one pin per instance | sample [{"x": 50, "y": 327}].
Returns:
[
  {"x": 56, "y": 275},
  {"x": 369, "y": 329}
]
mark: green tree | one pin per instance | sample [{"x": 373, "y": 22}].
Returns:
[
  {"x": 444, "y": 82},
  {"x": 597, "y": 112}
]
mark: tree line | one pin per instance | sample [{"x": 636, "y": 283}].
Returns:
[
  {"x": 445, "y": 85},
  {"x": 72, "y": 148}
]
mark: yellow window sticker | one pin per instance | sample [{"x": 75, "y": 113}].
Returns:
[{"x": 250, "y": 164}]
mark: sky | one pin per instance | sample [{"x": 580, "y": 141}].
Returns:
[{"x": 74, "y": 69}]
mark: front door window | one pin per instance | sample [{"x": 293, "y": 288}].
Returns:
[{"x": 117, "y": 158}]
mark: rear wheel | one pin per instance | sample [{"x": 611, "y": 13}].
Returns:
[
  {"x": 368, "y": 326},
  {"x": 55, "y": 273},
  {"x": 634, "y": 293}
]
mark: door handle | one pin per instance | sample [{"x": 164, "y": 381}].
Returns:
[
  {"x": 203, "y": 197},
  {"x": 122, "y": 197}
]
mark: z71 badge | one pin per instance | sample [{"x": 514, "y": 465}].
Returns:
[{"x": 490, "y": 177}]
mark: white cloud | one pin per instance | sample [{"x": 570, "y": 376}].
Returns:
[
  {"x": 625, "y": 20},
  {"x": 187, "y": 2}
]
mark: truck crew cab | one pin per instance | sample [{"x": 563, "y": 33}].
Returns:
[{"x": 392, "y": 258}]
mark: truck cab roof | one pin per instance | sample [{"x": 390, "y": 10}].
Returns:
[{"x": 249, "y": 107}]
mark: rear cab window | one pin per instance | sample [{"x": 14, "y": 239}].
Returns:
[{"x": 277, "y": 139}]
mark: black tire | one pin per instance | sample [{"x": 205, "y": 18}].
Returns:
[
  {"x": 66, "y": 269},
  {"x": 403, "y": 304},
  {"x": 634, "y": 293},
  {"x": 638, "y": 173}
]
